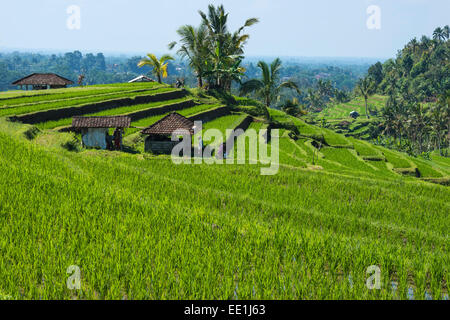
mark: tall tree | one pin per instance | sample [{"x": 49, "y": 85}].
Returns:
[
  {"x": 366, "y": 88},
  {"x": 376, "y": 73},
  {"x": 225, "y": 49},
  {"x": 193, "y": 46},
  {"x": 159, "y": 66},
  {"x": 438, "y": 124},
  {"x": 446, "y": 31},
  {"x": 439, "y": 34},
  {"x": 268, "y": 88}
]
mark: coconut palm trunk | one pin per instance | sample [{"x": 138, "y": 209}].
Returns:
[
  {"x": 367, "y": 109},
  {"x": 366, "y": 87}
]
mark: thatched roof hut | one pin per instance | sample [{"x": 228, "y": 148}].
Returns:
[
  {"x": 95, "y": 130},
  {"x": 159, "y": 134},
  {"x": 170, "y": 123},
  {"x": 41, "y": 81},
  {"x": 101, "y": 122}
]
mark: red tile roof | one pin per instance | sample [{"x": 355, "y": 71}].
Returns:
[
  {"x": 169, "y": 124},
  {"x": 101, "y": 122},
  {"x": 43, "y": 79}
]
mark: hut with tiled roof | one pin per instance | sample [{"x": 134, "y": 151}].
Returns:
[
  {"x": 95, "y": 130},
  {"x": 159, "y": 138},
  {"x": 40, "y": 81},
  {"x": 141, "y": 78}
]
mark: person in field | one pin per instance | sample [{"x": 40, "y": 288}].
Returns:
[
  {"x": 109, "y": 142},
  {"x": 117, "y": 139}
]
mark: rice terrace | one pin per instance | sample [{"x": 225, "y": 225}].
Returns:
[{"x": 102, "y": 198}]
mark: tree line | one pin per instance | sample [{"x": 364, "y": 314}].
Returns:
[{"x": 416, "y": 116}]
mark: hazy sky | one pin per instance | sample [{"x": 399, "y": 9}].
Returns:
[{"x": 325, "y": 28}]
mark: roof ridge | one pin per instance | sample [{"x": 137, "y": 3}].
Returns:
[{"x": 185, "y": 122}]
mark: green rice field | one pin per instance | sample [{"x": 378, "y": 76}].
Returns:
[{"x": 139, "y": 226}]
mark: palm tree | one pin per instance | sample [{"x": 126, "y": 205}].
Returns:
[
  {"x": 438, "y": 124},
  {"x": 366, "y": 87},
  {"x": 314, "y": 99},
  {"x": 426, "y": 43},
  {"x": 293, "y": 108},
  {"x": 268, "y": 88},
  {"x": 444, "y": 102},
  {"x": 414, "y": 44},
  {"x": 439, "y": 34},
  {"x": 224, "y": 48},
  {"x": 446, "y": 31},
  {"x": 193, "y": 46},
  {"x": 159, "y": 66}
]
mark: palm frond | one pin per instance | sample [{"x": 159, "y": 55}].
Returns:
[
  {"x": 248, "y": 23},
  {"x": 275, "y": 68},
  {"x": 251, "y": 86},
  {"x": 265, "y": 72},
  {"x": 172, "y": 45},
  {"x": 290, "y": 85},
  {"x": 165, "y": 58},
  {"x": 164, "y": 70}
]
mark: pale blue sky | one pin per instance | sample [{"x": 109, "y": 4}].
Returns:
[{"x": 310, "y": 28}]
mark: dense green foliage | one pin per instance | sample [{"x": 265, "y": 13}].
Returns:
[
  {"x": 415, "y": 88},
  {"x": 213, "y": 51},
  {"x": 269, "y": 87}
]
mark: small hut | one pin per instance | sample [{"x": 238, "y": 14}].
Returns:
[
  {"x": 141, "y": 79},
  {"x": 159, "y": 138},
  {"x": 354, "y": 114},
  {"x": 95, "y": 130},
  {"x": 41, "y": 81}
]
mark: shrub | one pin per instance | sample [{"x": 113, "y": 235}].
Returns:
[
  {"x": 31, "y": 133},
  {"x": 72, "y": 145}
]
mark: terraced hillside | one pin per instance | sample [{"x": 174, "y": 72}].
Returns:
[
  {"x": 337, "y": 117},
  {"x": 342, "y": 110},
  {"x": 141, "y": 227}
]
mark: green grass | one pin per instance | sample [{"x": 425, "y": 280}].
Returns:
[
  {"x": 364, "y": 148},
  {"x": 137, "y": 230},
  {"x": 342, "y": 111},
  {"x": 141, "y": 227},
  {"x": 110, "y": 112},
  {"x": 346, "y": 158},
  {"x": 75, "y": 102},
  {"x": 222, "y": 124},
  {"x": 426, "y": 169},
  {"x": 17, "y": 94},
  {"x": 104, "y": 92},
  {"x": 395, "y": 158}
]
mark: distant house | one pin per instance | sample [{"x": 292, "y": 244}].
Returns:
[
  {"x": 95, "y": 130},
  {"x": 40, "y": 81},
  {"x": 354, "y": 114},
  {"x": 160, "y": 133},
  {"x": 141, "y": 79}
]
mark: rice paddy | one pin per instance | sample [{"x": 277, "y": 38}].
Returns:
[{"x": 140, "y": 227}]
